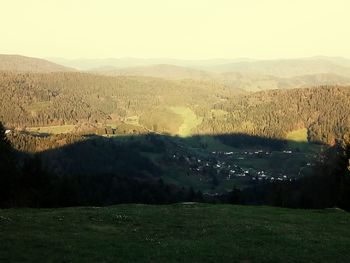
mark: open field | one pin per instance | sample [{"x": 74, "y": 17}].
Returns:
[
  {"x": 174, "y": 233},
  {"x": 190, "y": 120},
  {"x": 297, "y": 135}
]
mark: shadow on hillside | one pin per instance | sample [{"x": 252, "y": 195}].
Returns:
[
  {"x": 99, "y": 170},
  {"x": 134, "y": 155}
]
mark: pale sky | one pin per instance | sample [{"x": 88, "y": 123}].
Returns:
[{"x": 189, "y": 29}]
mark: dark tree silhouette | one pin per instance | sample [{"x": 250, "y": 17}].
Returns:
[{"x": 7, "y": 170}]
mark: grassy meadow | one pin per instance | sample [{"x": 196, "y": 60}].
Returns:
[
  {"x": 174, "y": 233},
  {"x": 190, "y": 120}
]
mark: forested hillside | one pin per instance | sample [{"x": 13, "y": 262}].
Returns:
[
  {"x": 258, "y": 82},
  {"x": 85, "y": 102},
  {"x": 69, "y": 98},
  {"x": 94, "y": 137},
  {"x": 247, "y": 81},
  {"x": 323, "y": 112},
  {"x": 28, "y": 64}
]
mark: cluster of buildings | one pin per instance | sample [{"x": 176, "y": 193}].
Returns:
[
  {"x": 221, "y": 164},
  {"x": 225, "y": 169}
]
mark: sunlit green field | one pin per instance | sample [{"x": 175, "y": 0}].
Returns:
[
  {"x": 174, "y": 233},
  {"x": 297, "y": 135},
  {"x": 190, "y": 120}
]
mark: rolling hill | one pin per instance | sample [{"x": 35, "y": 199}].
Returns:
[
  {"x": 274, "y": 113},
  {"x": 244, "y": 74},
  {"x": 258, "y": 82},
  {"x": 247, "y": 81},
  {"x": 70, "y": 98},
  {"x": 286, "y": 68},
  {"x": 127, "y": 62},
  {"x": 165, "y": 71},
  {"x": 283, "y": 68},
  {"x": 19, "y": 63}
]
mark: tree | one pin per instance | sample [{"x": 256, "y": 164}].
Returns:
[
  {"x": 343, "y": 174},
  {"x": 331, "y": 185},
  {"x": 35, "y": 184},
  {"x": 235, "y": 196},
  {"x": 7, "y": 170}
]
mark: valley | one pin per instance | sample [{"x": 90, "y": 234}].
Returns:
[
  {"x": 198, "y": 133},
  {"x": 201, "y": 162},
  {"x": 175, "y": 131}
]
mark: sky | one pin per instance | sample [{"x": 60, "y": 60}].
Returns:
[{"x": 183, "y": 29}]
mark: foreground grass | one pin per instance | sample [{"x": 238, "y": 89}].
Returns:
[{"x": 174, "y": 233}]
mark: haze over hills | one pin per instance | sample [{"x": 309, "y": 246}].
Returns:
[
  {"x": 245, "y": 74},
  {"x": 29, "y": 64},
  {"x": 289, "y": 67},
  {"x": 247, "y": 81},
  {"x": 278, "y": 68},
  {"x": 165, "y": 71},
  {"x": 257, "y": 82},
  {"x": 90, "y": 64}
]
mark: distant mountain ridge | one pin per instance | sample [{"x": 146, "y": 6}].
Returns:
[
  {"x": 258, "y": 82},
  {"x": 245, "y": 74},
  {"x": 126, "y": 62},
  {"x": 248, "y": 81},
  {"x": 278, "y": 67},
  {"x": 286, "y": 68},
  {"x": 19, "y": 63},
  {"x": 166, "y": 71}
]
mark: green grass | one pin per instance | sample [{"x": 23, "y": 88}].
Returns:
[
  {"x": 178, "y": 176},
  {"x": 297, "y": 135},
  {"x": 174, "y": 233},
  {"x": 161, "y": 120},
  {"x": 190, "y": 120}
]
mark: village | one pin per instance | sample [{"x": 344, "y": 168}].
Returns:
[{"x": 226, "y": 165}]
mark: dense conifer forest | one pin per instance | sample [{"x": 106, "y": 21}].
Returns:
[
  {"x": 87, "y": 100},
  {"x": 323, "y": 111}
]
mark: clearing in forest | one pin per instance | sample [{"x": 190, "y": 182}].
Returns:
[
  {"x": 299, "y": 135},
  {"x": 190, "y": 120}
]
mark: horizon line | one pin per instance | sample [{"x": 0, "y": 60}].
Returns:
[{"x": 180, "y": 59}]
